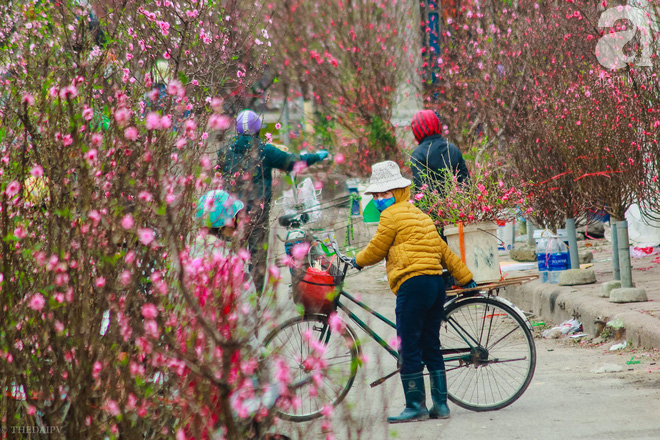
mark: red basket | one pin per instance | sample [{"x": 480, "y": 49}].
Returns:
[{"x": 317, "y": 290}]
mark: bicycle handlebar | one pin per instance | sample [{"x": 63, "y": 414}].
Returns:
[{"x": 341, "y": 256}]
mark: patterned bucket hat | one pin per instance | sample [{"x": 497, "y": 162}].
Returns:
[{"x": 217, "y": 208}]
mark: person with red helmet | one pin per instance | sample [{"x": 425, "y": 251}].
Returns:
[{"x": 434, "y": 153}]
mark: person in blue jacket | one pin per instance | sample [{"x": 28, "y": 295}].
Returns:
[{"x": 247, "y": 166}]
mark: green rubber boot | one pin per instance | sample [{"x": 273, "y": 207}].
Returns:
[
  {"x": 440, "y": 410},
  {"x": 413, "y": 388}
]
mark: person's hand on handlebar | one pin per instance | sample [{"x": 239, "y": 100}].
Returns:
[
  {"x": 470, "y": 285},
  {"x": 355, "y": 265}
]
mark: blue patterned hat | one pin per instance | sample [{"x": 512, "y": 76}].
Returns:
[{"x": 217, "y": 208}]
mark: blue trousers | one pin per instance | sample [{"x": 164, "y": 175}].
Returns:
[{"x": 419, "y": 305}]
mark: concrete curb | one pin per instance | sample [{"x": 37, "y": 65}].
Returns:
[{"x": 560, "y": 303}]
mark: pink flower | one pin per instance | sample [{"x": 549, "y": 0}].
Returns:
[
  {"x": 100, "y": 282},
  {"x": 145, "y": 235},
  {"x": 151, "y": 328},
  {"x": 176, "y": 88},
  {"x": 112, "y": 408},
  {"x": 67, "y": 140},
  {"x": 339, "y": 158},
  {"x": 87, "y": 113},
  {"x": 91, "y": 155},
  {"x": 131, "y": 133},
  {"x": 278, "y": 126},
  {"x": 127, "y": 221},
  {"x": 28, "y": 99},
  {"x": 274, "y": 273},
  {"x": 37, "y": 171},
  {"x": 13, "y": 188},
  {"x": 336, "y": 323},
  {"x": 152, "y": 121},
  {"x": 121, "y": 116},
  {"x": 219, "y": 122},
  {"x": 125, "y": 278},
  {"x": 59, "y": 327},
  {"x": 37, "y": 302},
  {"x": 94, "y": 215},
  {"x": 300, "y": 250},
  {"x": 96, "y": 369},
  {"x": 97, "y": 139},
  {"x": 145, "y": 196},
  {"x": 216, "y": 104},
  {"x": 419, "y": 196},
  {"x": 190, "y": 125},
  {"x": 149, "y": 311},
  {"x": 166, "y": 122}
]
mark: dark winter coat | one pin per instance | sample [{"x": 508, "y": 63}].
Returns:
[
  {"x": 248, "y": 155},
  {"x": 434, "y": 154}
]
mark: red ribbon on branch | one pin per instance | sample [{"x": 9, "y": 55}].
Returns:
[
  {"x": 553, "y": 178},
  {"x": 600, "y": 173}
]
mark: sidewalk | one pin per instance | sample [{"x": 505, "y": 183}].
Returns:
[{"x": 556, "y": 304}]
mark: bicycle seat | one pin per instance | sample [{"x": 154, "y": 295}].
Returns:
[{"x": 293, "y": 220}]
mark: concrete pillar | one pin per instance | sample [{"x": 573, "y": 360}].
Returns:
[
  {"x": 284, "y": 131},
  {"x": 572, "y": 243},
  {"x": 624, "y": 254},
  {"x": 615, "y": 252},
  {"x": 530, "y": 234}
]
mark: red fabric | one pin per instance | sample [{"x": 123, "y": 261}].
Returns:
[{"x": 425, "y": 123}]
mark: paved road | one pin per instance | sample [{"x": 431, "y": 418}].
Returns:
[{"x": 567, "y": 399}]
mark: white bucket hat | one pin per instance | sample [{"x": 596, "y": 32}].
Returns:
[{"x": 386, "y": 176}]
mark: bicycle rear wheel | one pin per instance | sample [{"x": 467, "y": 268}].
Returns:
[
  {"x": 489, "y": 353},
  {"x": 340, "y": 355}
]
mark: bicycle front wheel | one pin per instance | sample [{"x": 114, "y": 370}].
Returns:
[
  {"x": 291, "y": 341},
  {"x": 489, "y": 353}
]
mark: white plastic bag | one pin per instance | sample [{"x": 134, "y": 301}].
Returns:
[{"x": 307, "y": 199}]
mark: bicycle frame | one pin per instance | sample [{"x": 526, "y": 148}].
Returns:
[{"x": 448, "y": 354}]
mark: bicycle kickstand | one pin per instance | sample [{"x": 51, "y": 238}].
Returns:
[{"x": 383, "y": 379}]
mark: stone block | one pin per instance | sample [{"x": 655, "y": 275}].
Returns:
[
  {"x": 628, "y": 294},
  {"x": 596, "y": 229},
  {"x": 577, "y": 277},
  {"x": 607, "y": 287},
  {"x": 523, "y": 253},
  {"x": 586, "y": 257}
]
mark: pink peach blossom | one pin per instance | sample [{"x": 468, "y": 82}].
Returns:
[
  {"x": 145, "y": 235},
  {"x": 127, "y": 221},
  {"x": 131, "y": 133},
  {"x": 37, "y": 302},
  {"x": 152, "y": 121},
  {"x": 149, "y": 311},
  {"x": 13, "y": 188}
]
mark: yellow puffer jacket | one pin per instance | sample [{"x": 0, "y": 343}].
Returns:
[{"x": 411, "y": 245}]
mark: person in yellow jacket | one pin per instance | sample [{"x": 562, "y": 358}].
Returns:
[{"x": 416, "y": 255}]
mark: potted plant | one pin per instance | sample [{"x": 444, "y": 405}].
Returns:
[{"x": 468, "y": 213}]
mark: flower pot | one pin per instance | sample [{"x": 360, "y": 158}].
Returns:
[{"x": 480, "y": 252}]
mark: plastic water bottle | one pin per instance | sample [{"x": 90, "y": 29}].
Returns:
[
  {"x": 559, "y": 259},
  {"x": 541, "y": 258}
]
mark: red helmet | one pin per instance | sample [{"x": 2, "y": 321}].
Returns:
[{"x": 425, "y": 123}]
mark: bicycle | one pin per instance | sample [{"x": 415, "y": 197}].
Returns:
[{"x": 486, "y": 342}]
